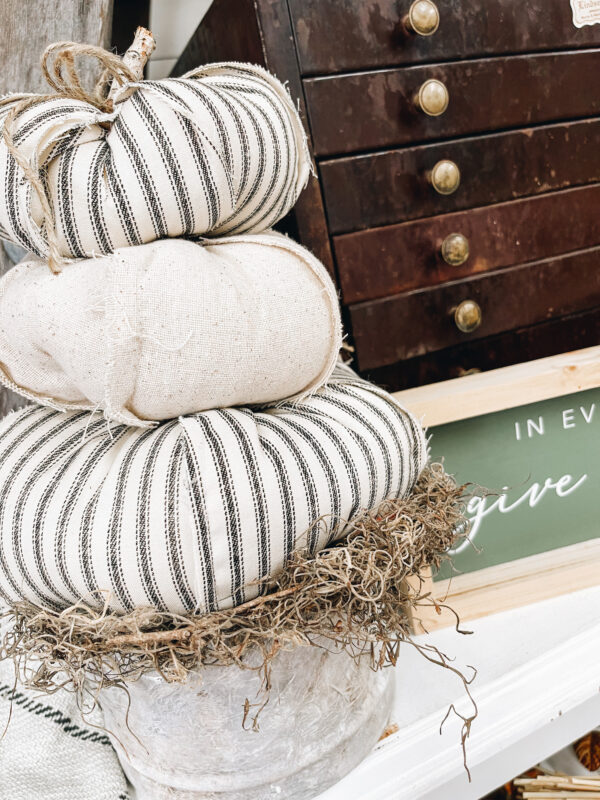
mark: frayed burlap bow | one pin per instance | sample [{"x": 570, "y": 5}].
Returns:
[{"x": 59, "y": 67}]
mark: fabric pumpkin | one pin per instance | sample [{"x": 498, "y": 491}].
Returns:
[
  {"x": 220, "y": 150},
  {"x": 187, "y": 515},
  {"x": 172, "y": 327}
]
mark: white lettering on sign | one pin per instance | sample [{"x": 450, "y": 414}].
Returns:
[
  {"x": 588, "y": 417},
  {"x": 535, "y": 427},
  {"x": 570, "y": 418},
  {"x": 585, "y": 12},
  {"x": 480, "y": 507}
]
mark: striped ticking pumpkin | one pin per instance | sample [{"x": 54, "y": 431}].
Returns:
[
  {"x": 185, "y": 516},
  {"x": 220, "y": 150}
]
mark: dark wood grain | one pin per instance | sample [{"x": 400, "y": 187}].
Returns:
[
  {"x": 127, "y": 16},
  {"x": 513, "y": 347},
  {"x": 260, "y": 32},
  {"x": 384, "y": 188},
  {"x": 404, "y": 326},
  {"x": 486, "y": 53},
  {"x": 344, "y": 35},
  {"x": 398, "y": 258},
  {"x": 229, "y": 30},
  {"x": 370, "y": 110},
  {"x": 281, "y": 59}
]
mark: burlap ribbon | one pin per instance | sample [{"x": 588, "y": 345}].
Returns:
[{"x": 60, "y": 70}]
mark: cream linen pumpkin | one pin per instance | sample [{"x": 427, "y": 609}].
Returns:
[{"x": 170, "y": 328}]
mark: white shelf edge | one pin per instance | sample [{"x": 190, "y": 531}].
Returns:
[{"x": 416, "y": 760}]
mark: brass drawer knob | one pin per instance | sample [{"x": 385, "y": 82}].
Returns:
[
  {"x": 467, "y": 316},
  {"x": 423, "y": 18},
  {"x": 445, "y": 177},
  {"x": 432, "y": 98},
  {"x": 455, "y": 249}
]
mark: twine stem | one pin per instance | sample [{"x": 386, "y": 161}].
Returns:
[{"x": 60, "y": 72}]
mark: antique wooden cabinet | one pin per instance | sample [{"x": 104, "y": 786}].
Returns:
[{"x": 457, "y": 153}]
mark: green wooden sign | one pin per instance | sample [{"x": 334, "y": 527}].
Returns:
[{"x": 543, "y": 463}]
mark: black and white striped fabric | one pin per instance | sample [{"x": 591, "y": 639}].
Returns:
[
  {"x": 48, "y": 752},
  {"x": 187, "y": 515},
  {"x": 220, "y": 150}
]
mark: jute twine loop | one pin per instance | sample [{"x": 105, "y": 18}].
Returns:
[{"x": 61, "y": 73}]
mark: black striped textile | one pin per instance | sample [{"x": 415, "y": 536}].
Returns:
[
  {"x": 48, "y": 751},
  {"x": 185, "y": 516},
  {"x": 220, "y": 150}
]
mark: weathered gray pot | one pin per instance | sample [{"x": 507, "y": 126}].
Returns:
[{"x": 325, "y": 712}]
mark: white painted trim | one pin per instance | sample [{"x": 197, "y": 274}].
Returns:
[
  {"x": 172, "y": 22},
  {"x": 525, "y": 715}
]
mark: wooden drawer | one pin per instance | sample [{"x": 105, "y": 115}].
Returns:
[
  {"x": 383, "y": 261},
  {"x": 509, "y": 65},
  {"x": 404, "y": 326},
  {"x": 384, "y": 188},
  {"x": 344, "y": 35},
  {"x": 511, "y": 347},
  {"x": 370, "y": 110}
]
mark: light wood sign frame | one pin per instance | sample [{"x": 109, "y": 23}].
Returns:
[{"x": 533, "y": 578}]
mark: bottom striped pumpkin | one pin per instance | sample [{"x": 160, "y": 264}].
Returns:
[{"x": 186, "y": 516}]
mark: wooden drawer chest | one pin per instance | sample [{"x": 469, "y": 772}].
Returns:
[{"x": 457, "y": 152}]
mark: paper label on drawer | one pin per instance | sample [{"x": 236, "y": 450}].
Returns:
[{"x": 585, "y": 12}]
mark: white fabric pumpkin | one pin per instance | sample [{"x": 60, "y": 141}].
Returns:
[
  {"x": 186, "y": 516},
  {"x": 171, "y": 327},
  {"x": 220, "y": 150}
]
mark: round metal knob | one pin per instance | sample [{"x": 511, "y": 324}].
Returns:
[
  {"x": 445, "y": 177},
  {"x": 423, "y": 18},
  {"x": 467, "y": 316},
  {"x": 455, "y": 249},
  {"x": 432, "y": 98}
]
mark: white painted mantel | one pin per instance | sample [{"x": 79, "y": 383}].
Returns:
[{"x": 537, "y": 689}]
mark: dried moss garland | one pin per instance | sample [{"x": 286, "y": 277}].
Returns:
[{"x": 353, "y": 595}]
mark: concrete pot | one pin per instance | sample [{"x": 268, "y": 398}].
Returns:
[{"x": 324, "y": 714}]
